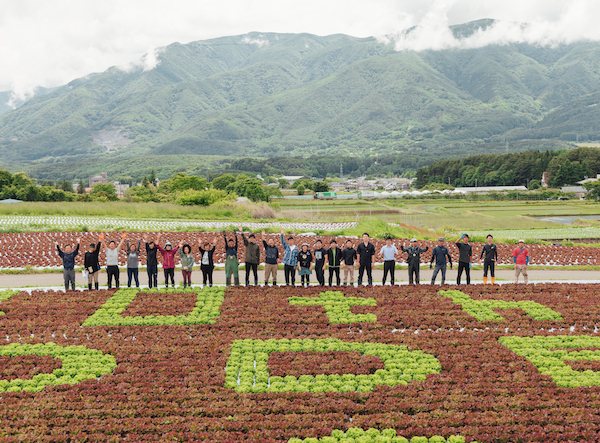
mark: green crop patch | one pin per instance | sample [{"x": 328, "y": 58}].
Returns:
[
  {"x": 551, "y": 354},
  {"x": 247, "y": 369},
  {"x": 358, "y": 435},
  {"x": 78, "y": 364},
  {"x": 483, "y": 310},
  {"x": 337, "y": 306},
  {"x": 206, "y": 311}
]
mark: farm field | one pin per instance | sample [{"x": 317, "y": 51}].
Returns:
[{"x": 380, "y": 364}]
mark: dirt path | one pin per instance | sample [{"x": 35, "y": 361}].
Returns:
[{"x": 502, "y": 276}]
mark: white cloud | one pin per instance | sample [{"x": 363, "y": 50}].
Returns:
[{"x": 49, "y": 43}]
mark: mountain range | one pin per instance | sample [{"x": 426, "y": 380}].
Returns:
[{"x": 268, "y": 94}]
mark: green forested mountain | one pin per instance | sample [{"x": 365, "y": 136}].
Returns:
[{"x": 284, "y": 95}]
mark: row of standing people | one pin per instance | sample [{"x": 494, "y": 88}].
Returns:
[{"x": 91, "y": 261}]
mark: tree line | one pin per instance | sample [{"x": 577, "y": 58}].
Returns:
[{"x": 515, "y": 169}]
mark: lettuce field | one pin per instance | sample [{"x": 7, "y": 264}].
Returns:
[{"x": 371, "y": 364}]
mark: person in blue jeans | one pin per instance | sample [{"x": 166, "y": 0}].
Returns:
[
  {"x": 439, "y": 254},
  {"x": 290, "y": 259},
  {"x": 133, "y": 257}
]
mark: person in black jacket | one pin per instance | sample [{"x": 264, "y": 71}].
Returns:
[
  {"x": 231, "y": 261},
  {"x": 414, "y": 260},
  {"x": 207, "y": 265},
  {"x": 349, "y": 257},
  {"x": 68, "y": 259},
  {"x": 366, "y": 252},
  {"x": 334, "y": 257},
  {"x": 320, "y": 255},
  {"x": 271, "y": 256},
  {"x": 304, "y": 264},
  {"x": 252, "y": 256},
  {"x": 92, "y": 264},
  {"x": 151, "y": 263},
  {"x": 490, "y": 251},
  {"x": 465, "y": 251}
]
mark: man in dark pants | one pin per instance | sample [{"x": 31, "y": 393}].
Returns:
[
  {"x": 334, "y": 257},
  {"x": 366, "y": 252},
  {"x": 271, "y": 256},
  {"x": 320, "y": 255},
  {"x": 112, "y": 261},
  {"x": 389, "y": 252},
  {"x": 439, "y": 254},
  {"x": 91, "y": 262},
  {"x": 151, "y": 263},
  {"x": 465, "y": 251},
  {"x": 490, "y": 251},
  {"x": 414, "y": 260},
  {"x": 68, "y": 259},
  {"x": 252, "y": 257}
]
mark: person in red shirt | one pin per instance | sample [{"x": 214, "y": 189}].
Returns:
[
  {"x": 168, "y": 254},
  {"x": 521, "y": 260}
]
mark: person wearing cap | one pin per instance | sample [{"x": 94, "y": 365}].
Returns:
[
  {"x": 91, "y": 262},
  {"x": 168, "y": 255},
  {"x": 334, "y": 258},
  {"x": 271, "y": 256},
  {"x": 68, "y": 259},
  {"x": 151, "y": 263},
  {"x": 414, "y": 261},
  {"x": 439, "y": 254},
  {"x": 348, "y": 258},
  {"x": 304, "y": 264},
  {"x": 465, "y": 252},
  {"x": 490, "y": 251},
  {"x": 207, "y": 264},
  {"x": 366, "y": 253},
  {"x": 231, "y": 261},
  {"x": 521, "y": 260},
  {"x": 290, "y": 258},
  {"x": 252, "y": 256},
  {"x": 320, "y": 254},
  {"x": 112, "y": 260}
]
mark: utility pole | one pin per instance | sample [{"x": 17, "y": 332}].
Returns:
[
  {"x": 507, "y": 147},
  {"x": 341, "y": 172}
]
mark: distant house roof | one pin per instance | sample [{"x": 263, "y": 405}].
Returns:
[
  {"x": 10, "y": 200},
  {"x": 578, "y": 189},
  {"x": 293, "y": 177}
]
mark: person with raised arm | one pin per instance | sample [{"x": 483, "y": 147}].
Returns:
[
  {"x": 465, "y": 252},
  {"x": 271, "y": 256},
  {"x": 168, "y": 255},
  {"x": 151, "y": 262},
  {"x": 68, "y": 259},
  {"x": 231, "y": 260},
  {"x": 92, "y": 263},
  {"x": 290, "y": 259},
  {"x": 207, "y": 265},
  {"x": 112, "y": 261},
  {"x": 133, "y": 261},
  {"x": 252, "y": 256}
]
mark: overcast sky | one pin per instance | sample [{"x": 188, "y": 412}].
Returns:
[{"x": 51, "y": 42}]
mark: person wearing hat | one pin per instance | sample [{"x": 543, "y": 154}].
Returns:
[
  {"x": 290, "y": 259},
  {"x": 271, "y": 256},
  {"x": 91, "y": 263},
  {"x": 68, "y": 259},
  {"x": 304, "y": 264},
  {"x": 439, "y": 254},
  {"x": 334, "y": 258},
  {"x": 521, "y": 260},
  {"x": 348, "y": 258},
  {"x": 389, "y": 252},
  {"x": 465, "y": 252},
  {"x": 168, "y": 255},
  {"x": 414, "y": 261},
  {"x": 490, "y": 251},
  {"x": 231, "y": 261},
  {"x": 252, "y": 256}
]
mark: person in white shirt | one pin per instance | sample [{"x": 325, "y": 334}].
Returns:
[
  {"x": 389, "y": 252},
  {"x": 112, "y": 261}
]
